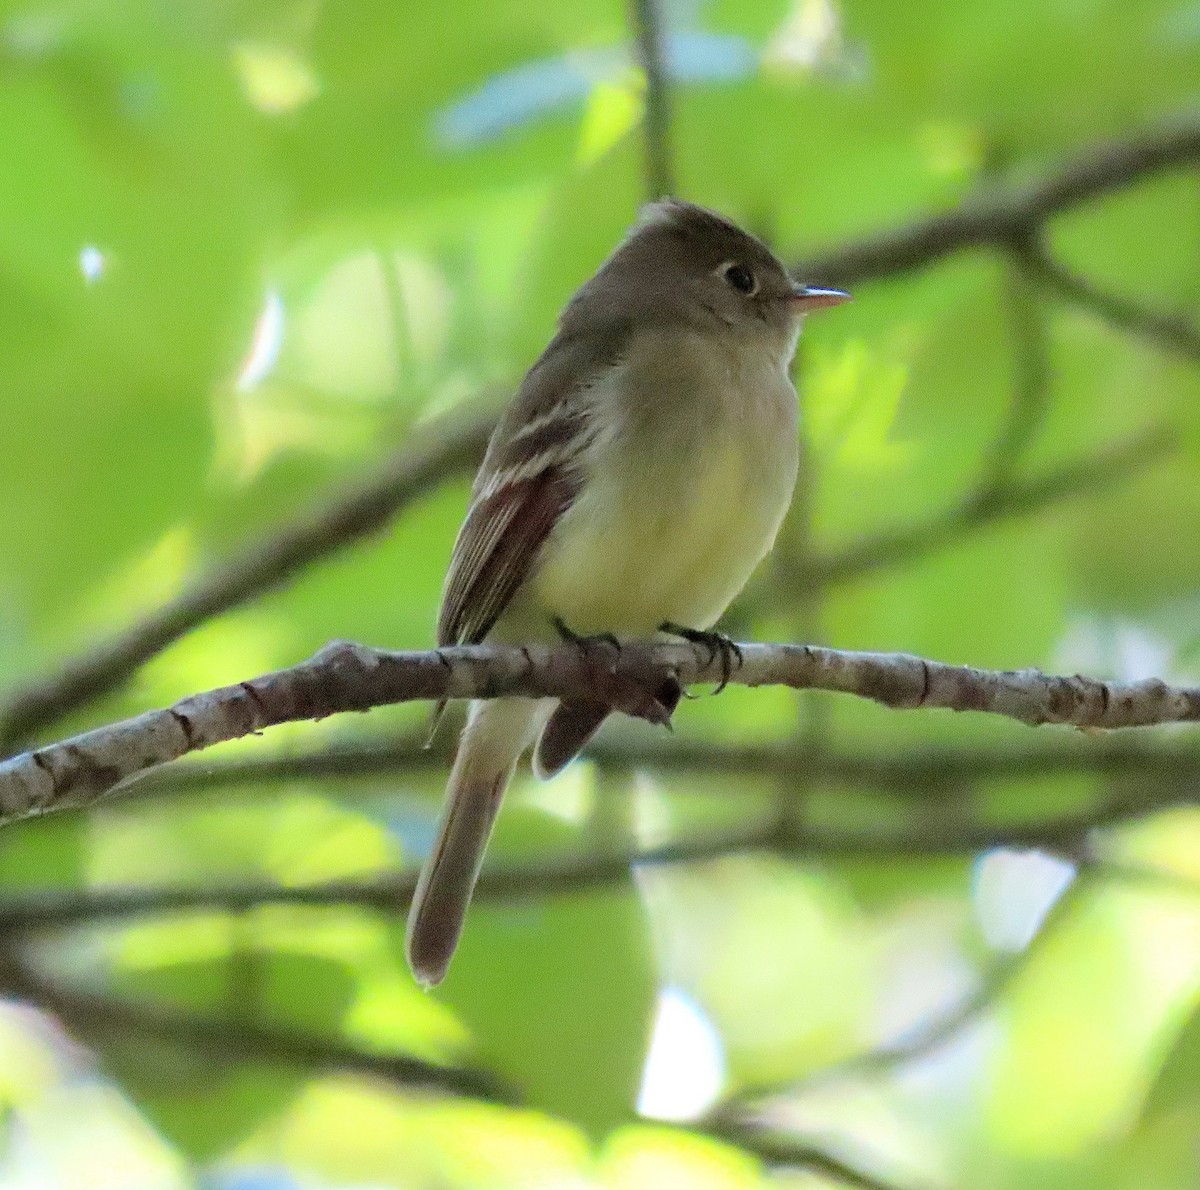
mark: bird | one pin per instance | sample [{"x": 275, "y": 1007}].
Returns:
[{"x": 637, "y": 478}]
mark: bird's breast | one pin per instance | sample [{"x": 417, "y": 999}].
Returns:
[{"x": 683, "y": 493}]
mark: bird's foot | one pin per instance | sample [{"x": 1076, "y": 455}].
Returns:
[
  {"x": 586, "y": 643},
  {"x": 718, "y": 645},
  {"x": 645, "y": 692}
]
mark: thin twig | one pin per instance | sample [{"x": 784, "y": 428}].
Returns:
[
  {"x": 431, "y": 456},
  {"x": 987, "y": 505},
  {"x": 1030, "y": 385},
  {"x": 1174, "y": 332},
  {"x": 646, "y": 19}
]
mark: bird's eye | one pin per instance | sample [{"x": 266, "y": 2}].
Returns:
[{"x": 740, "y": 277}]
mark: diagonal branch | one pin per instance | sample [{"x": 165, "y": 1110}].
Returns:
[
  {"x": 937, "y": 1031},
  {"x": 95, "y": 1017},
  {"x": 988, "y": 503},
  {"x": 785, "y": 1152},
  {"x": 746, "y": 1119},
  {"x": 1006, "y": 216},
  {"x": 641, "y": 679},
  {"x": 1174, "y": 332},
  {"x": 271, "y": 562}
]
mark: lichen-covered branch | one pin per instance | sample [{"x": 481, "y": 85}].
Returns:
[{"x": 642, "y": 679}]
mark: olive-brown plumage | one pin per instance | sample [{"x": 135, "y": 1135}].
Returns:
[{"x": 638, "y": 477}]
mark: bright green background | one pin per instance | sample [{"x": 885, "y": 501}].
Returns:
[{"x": 303, "y": 154}]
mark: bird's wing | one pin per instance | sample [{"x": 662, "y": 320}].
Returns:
[
  {"x": 530, "y": 477},
  {"x": 496, "y": 549}
]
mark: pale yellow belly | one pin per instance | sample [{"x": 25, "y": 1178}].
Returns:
[
  {"x": 683, "y": 491},
  {"x": 674, "y": 539}
]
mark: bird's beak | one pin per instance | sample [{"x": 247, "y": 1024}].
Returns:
[{"x": 807, "y": 298}]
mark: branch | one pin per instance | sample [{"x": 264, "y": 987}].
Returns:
[
  {"x": 782, "y": 1152},
  {"x": 986, "y": 504},
  {"x": 745, "y": 1119},
  {"x": 276, "y": 559},
  {"x": 96, "y": 1017},
  {"x": 646, "y": 19},
  {"x": 1030, "y": 386},
  {"x": 1174, "y": 332},
  {"x": 932, "y": 1034},
  {"x": 643, "y": 680},
  {"x": 54, "y": 909},
  {"x": 927, "y": 773},
  {"x": 572, "y": 873},
  {"x": 1003, "y": 217},
  {"x": 1068, "y": 834}
]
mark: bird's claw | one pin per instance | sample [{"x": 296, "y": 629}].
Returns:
[
  {"x": 584, "y": 643},
  {"x": 718, "y": 645}
]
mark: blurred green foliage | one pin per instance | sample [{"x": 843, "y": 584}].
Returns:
[{"x": 245, "y": 247}]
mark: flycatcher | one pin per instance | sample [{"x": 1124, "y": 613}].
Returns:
[{"x": 636, "y": 480}]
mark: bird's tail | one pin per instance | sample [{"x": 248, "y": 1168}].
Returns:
[
  {"x": 496, "y": 734},
  {"x": 568, "y": 732}
]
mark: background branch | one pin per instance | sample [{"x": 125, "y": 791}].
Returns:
[
  {"x": 997, "y": 219},
  {"x": 98, "y": 1018},
  {"x": 792, "y": 1152},
  {"x": 454, "y": 446},
  {"x": 987, "y": 503},
  {"x": 748, "y": 1115},
  {"x": 647, "y": 22},
  {"x": 924, "y": 773},
  {"x": 95, "y": 1017},
  {"x": 1174, "y": 332},
  {"x": 1062, "y": 834},
  {"x": 809, "y": 886}
]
